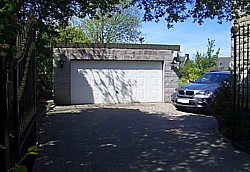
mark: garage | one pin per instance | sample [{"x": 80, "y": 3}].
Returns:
[
  {"x": 98, "y": 73},
  {"x": 116, "y": 81}
]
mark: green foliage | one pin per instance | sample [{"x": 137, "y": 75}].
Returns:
[
  {"x": 180, "y": 10},
  {"x": 7, "y": 6},
  {"x": 72, "y": 34},
  {"x": 194, "y": 73},
  {"x": 207, "y": 61},
  {"x": 116, "y": 27},
  {"x": 33, "y": 150},
  {"x": 44, "y": 65},
  {"x": 184, "y": 70},
  {"x": 202, "y": 63},
  {"x": 8, "y": 28},
  {"x": 2, "y": 147},
  {"x": 222, "y": 105},
  {"x": 49, "y": 16},
  {"x": 222, "y": 108}
]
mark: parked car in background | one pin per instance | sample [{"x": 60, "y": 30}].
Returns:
[{"x": 200, "y": 93}]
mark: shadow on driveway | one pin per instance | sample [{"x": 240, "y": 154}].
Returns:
[{"x": 119, "y": 139}]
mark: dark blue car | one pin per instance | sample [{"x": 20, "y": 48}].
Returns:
[{"x": 200, "y": 93}]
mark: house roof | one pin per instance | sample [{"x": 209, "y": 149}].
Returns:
[
  {"x": 225, "y": 60},
  {"x": 118, "y": 46}
]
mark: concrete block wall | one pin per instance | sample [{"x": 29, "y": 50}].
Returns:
[
  {"x": 244, "y": 21},
  {"x": 145, "y": 52}
]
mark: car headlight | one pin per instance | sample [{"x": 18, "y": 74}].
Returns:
[{"x": 206, "y": 93}]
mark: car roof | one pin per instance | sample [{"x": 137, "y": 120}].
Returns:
[{"x": 221, "y": 72}]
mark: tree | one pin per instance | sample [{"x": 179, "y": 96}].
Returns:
[
  {"x": 48, "y": 14},
  {"x": 179, "y": 10},
  {"x": 202, "y": 63},
  {"x": 116, "y": 27},
  {"x": 183, "y": 72},
  {"x": 72, "y": 34},
  {"x": 209, "y": 60},
  {"x": 57, "y": 12}
]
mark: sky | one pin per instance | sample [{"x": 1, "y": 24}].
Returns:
[{"x": 191, "y": 37}]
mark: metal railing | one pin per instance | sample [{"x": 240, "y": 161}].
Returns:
[
  {"x": 241, "y": 86},
  {"x": 19, "y": 119}
]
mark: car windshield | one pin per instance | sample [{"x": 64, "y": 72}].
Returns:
[{"x": 212, "y": 78}]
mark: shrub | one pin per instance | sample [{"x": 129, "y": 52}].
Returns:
[{"x": 223, "y": 109}]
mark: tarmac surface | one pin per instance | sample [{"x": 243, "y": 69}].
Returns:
[{"x": 133, "y": 137}]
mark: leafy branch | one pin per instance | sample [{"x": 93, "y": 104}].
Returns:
[{"x": 33, "y": 150}]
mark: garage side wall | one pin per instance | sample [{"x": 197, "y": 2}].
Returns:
[{"x": 63, "y": 53}]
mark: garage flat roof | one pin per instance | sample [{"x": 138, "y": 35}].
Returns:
[{"x": 118, "y": 46}]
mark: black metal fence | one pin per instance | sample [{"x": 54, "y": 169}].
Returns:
[
  {"x": 241, "y": 85},
  {"x": 19, "y": 103},
  {"x": 24, "y": 89}
]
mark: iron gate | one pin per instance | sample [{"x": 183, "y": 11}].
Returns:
[
  {"x": 24, "y": 95},
  {"x": 18, "y": 120},
  {"x": 241, "y": 86}
]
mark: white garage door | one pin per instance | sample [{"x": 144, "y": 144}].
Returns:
[{"x": 116, "y": 81}]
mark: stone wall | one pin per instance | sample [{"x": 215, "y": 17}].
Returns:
[
  {"x": 145, "y": 52},
  {"x": 241, "y": 25}
]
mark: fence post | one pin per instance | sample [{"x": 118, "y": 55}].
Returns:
[
  {"x": 4, "y": 153},
  {"x": 234, "y": 31}
]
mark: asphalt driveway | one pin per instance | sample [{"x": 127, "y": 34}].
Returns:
[{"x": 133, "y": 137}]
